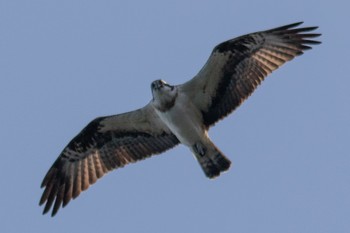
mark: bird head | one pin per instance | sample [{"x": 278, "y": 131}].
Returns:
[{"x": 163, "y": 94}]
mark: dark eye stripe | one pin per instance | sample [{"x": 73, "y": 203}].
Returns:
[{"x": 171, "y": 87}]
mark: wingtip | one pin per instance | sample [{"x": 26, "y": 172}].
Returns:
[
  {"x": 45, "y": 210},
  {"x": 293, "y": 26},
  {"x": 53, "y": 213},
  {"x": 41, "y": 202},
  {"x": 296, "y": 24},
  {"x": 288, "y": 26}
]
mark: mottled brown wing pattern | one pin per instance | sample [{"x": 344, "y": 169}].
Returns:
[
  {"x": 98, "y": 149},
  {"x": 236, "y": 67}
]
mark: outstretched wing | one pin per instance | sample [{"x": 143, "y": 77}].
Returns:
[
  {"x": 104, "y": 144},
  {"x": 236, "y": 67}
]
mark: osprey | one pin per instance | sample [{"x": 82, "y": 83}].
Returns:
[{"x": 180, "y": 114}]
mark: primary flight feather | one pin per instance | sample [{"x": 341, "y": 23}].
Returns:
[{"x": 180, "y": 114}]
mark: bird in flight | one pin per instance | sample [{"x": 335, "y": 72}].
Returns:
[{"x": 180, "y": 114}]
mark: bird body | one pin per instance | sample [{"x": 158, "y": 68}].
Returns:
[
  {"x": 185, "y": 121},
  {"x": 180, "y": 114}
]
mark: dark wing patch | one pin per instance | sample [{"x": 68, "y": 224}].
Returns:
[
  {"x": 93, "y": 153},
  {"x": 236, "y": 67},
  {"x": 251, "y": 59}
]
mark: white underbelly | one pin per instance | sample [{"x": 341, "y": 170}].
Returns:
[{"x": 184, "y": 122}]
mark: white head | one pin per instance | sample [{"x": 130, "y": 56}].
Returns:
[{"x": 164, "y": 95}]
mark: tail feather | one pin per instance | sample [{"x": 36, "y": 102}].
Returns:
[
  {"x": 211, "y": 159},
  {"x": 214, "y": 164}
]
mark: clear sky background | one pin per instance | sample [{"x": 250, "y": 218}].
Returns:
[{"x": 63, "y": 63}]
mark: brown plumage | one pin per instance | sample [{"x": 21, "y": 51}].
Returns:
[{"x": 100, "y": 147}]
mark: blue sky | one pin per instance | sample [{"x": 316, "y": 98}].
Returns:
[{"x": 63, "y": 63}]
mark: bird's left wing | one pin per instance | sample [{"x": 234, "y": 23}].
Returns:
[
  {"x": 104, "y": 144},
  {"x": 236, "y": 67}
]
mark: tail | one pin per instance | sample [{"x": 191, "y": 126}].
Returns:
[{"x": 211, "y": 159}]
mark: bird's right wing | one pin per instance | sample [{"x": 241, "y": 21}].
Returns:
[{"x": 104, "y": 144}]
